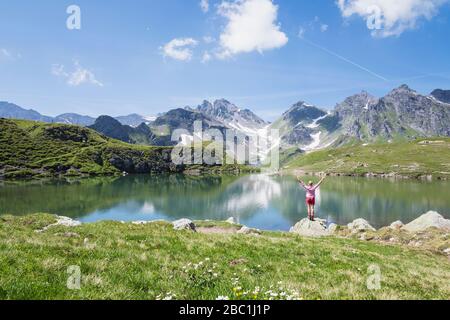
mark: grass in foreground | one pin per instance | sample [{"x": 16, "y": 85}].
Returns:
[
  {"x": 407, "y": 158},
  {"x": 126, "y": 261}
]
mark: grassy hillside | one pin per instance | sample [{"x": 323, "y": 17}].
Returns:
[
  {"x": 404, "y": 158},
  {"x": 35, "y": 149},
  {"x": 40, "y": 149},
  {"x": 126, "y": 261}
]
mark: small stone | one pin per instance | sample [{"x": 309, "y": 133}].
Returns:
[
  {"x": 360, "y": 225},
  {"x": 67, "y": 222},
  {"x": 184, "y": 224},
  {"x": 71, "y": 235},
  {"x": 238, "y": 262},
  {"x": 231, "y": 220},
  {"x": 140, "y": 222},
  {"x": 247, "y": 230},
  {"x": 332, "y": 228},
  {"x": 397, "y": 225}
]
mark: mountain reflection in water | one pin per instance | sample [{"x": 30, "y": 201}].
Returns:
[{"x": 260, "y": 201}]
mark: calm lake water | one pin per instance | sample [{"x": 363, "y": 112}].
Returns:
[{"x": 259, "y": 201}]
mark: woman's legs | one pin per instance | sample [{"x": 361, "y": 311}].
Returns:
[{"x": 310, "y": 212}]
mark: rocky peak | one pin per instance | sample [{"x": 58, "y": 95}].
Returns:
[
  {"x": 302, "y": 112},
  {"x": 220, "y": 108},
  {"x": 107, "y": 120},
  {"x": 402, "y": 90},
  {"x": 206, "y": 105},
  {"x": 300, "y": 104},
  {"x": 143, "y": 128},
  {"x": 358, "y": 101},
  {"x": 111, "y": 127},
  {"x": 228, "y": 113},
  {"x": 225, "y": 106}
]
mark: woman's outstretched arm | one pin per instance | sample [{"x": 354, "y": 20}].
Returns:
[
  {"x": 320, "y": 182},
  {"x": 301, "y": 183}
]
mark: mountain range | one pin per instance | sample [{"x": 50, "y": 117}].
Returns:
[
  {"x": 401, "y": 114},
  {"x": 13, "y": 111}
]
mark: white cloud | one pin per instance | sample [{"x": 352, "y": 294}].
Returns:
[
  {"x": 179, "y": 49},
  {"x": 251, "y": 26},
  {"x": 58, "y": 70},
  {"x": 208, "y": 39},
  {"x": 76, "y": 77},
  {"x": 204, "y": 5},
  {"x": 312, "y": 26},
  {"x": 301, "y": 32},
  {"x": 388, "y": 17},
  {"x": 206, "y": 57},
  {"x": 7, "y": 55}
]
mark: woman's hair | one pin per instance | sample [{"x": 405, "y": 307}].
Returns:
[{"x": 310, "y": 183}]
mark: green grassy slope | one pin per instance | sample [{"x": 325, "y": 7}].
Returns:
[
  {"x": 36, "y": 149},
  {"x": 126, "y": 261},
  {"x": 40, "y": 149},
  {"x": 405, "y": 158}
]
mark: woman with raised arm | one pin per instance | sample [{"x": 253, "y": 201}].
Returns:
[{"x": 311, "y": 196}]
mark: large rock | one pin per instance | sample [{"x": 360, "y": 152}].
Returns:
[
  {"x": 428, "y": 220},
  {"x": 308, "y": 228},
  {"x": 360, "y": 225},
  {"x": 184, "y": 224}
]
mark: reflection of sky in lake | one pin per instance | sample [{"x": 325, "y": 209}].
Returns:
[{"x": 260, "y": 201}]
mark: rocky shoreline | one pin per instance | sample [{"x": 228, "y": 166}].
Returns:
[
  {"x": 390, "y": 175},
  {"x": 431, "y": 231}
]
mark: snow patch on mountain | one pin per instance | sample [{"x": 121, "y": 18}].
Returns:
[
  {"x": 315, "y": 123},
  {"x": 316, "y": 142}
]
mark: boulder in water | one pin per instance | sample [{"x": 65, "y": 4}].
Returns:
[
  {"x": 308, "y": 228},
  {"x": 428, "y": 220}
]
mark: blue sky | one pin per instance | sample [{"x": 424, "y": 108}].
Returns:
[{"x": 151, "y": 56}]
